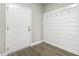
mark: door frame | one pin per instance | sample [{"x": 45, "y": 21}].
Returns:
[{"x": 7, "y": 51}]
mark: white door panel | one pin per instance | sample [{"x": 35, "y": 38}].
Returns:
[{"x": 18, "y": 24}]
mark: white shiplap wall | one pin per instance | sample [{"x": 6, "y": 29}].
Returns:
[{"x": 61, "y": 28}]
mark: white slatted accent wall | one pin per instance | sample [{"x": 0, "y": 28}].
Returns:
[{"x": 61, "y": 28}]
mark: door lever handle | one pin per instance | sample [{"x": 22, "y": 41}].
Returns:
[
  {"x": 29, "y": 29},
  {"x": 28, "y": 26}
]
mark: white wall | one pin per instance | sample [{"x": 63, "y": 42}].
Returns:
[
  {"x": 61, "y": 28},
  {"x": 36, "y": 20},
  {"x": 37, "y": 12},
  {"x": 2, "y": 28}
]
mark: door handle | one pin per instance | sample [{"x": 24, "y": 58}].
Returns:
[
  {"x": 29, "y": 29},
  {"x": 28, "y": 26}
]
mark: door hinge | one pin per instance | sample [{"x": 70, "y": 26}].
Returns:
[
  {"x": 7, "y": 8},
  {"x": 7, "y": 28}
]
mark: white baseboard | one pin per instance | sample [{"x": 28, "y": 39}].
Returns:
[
  {"x": 5, "y": 54},
  {"x": 62, "y": 47},
  {"x": 36, "y": 43}
]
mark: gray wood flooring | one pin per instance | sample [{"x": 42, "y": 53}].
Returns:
[{"x": 42, "y": 49}]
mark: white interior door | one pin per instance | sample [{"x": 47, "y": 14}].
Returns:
[{"x": 18, "y": 27}]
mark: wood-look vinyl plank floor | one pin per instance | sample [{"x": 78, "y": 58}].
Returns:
[{"x": 42, "y": 49}]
